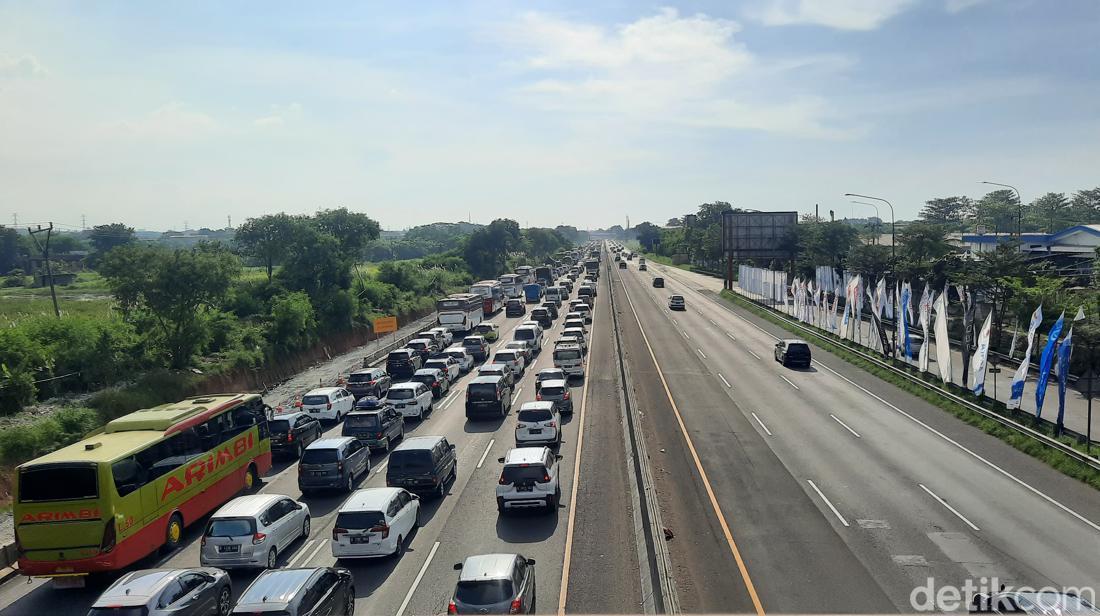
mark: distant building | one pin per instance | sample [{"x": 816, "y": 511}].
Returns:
[{"x": 1072, "y": 250}]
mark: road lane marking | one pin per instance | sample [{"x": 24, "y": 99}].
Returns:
[
  {"x": 827, "y": 502},
  {"x": 516, "y": 397},
  {"x": 909, "y": 416},
  {"x": 381, "y": 467},
  {"x": 949, "y": 507},
  {"x": 320, "y": 544},
  {"x": 416, "y": 582},
  {"x": 685, "y": 334},
  {"x": 731, "y": 337},
  {"x": 753, "y": 354},
  {"x": 447, "y": 400},
  {"x": 789, "y": 382},
  {"x": 754, "y": 416},
  {"x": 730, "y": 542},
  {"x": 837, "y": 419},
  {"x": 712, "y": 322},
  {"x": 487, "y": 448},
  {"x": 704, "y": 355},
  {"x": 724, "y": 380},
  {"x": 301, "y": 552}
]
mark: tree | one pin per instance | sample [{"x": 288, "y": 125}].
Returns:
[
  {"x": 648, "y": 234},
  {"x": 106, "y": 237},
  {"x": 540, "y": 243},
  {"x": 9, "y": 250},
  {"x": 266, "y": 238},
  {"x": 1085, "y": 206},
  {"x": 352, "y": 230},
  {"x": 997, "y": 212},
  {"x": 314, "y": 261},
  {"x": 871, "y": 260},
  {"x": 486, "y": 249},
  {"x": 173, "y": 292},
  {"x": 825, "y": 243},
  {"x": 947, "y": 211},
  {"x": 922, "y": 242},
  {"x": 66, "y": 242},
  {"x": 1051, "y": 211}
]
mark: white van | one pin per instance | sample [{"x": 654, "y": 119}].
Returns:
[
  {"x": 375, "y": 522},
  {"x": 569, "y": 358}
]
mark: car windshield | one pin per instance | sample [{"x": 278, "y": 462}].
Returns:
[
  {"x": 524, "y": 333},
  {"x": 410, "y": 460},
  {"x": 426, "y": 379},
  {"x": 484, "y": 328},
  {"x": 568, "y": 354},
  {"x": 483, "y": 592},
  {"x": 122, "y": 610},
  {"x": 403, "y": 393},
  {"x": 471, "y": 341},
  {"x": 365, "y": 420},
  {"x": 551, "y": 376},
  {"x": 239, "y": 527},
  {"x": 482, "y": 391},
  {"x": 57, "y": 483},
  {"x": 524, "y": 474},
  {"x": 535, "y": 415},
  {"x": 359, "y": 378},
  {"x": 279, "y": 426},
  {"x": 504, "y": 356},
  {"x": 320, "y": 456},
  {"x": 552, "y": 391},
  {"x": 314, "y": 400},
  {"x": 398, "y": 356},
  {"x": 359, "y": 520}
]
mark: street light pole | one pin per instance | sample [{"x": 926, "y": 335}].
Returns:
[
  {"x": 1019, "y": 208},
  {"x": 877, "y": 215},
  {"x": 893, "y": 236}
]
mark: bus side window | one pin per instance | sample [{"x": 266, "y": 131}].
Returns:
[{"x": 129, "y": 475}]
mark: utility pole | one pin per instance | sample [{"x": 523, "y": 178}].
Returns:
[
  {"x": 83, "y": 222},
  {"x": 15, "y": 220},
  {"x": 46, "y": 255},
  {"x": 229, "y": 221}
]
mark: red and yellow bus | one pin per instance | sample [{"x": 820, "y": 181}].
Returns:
[{"x": 119, "y": 495}]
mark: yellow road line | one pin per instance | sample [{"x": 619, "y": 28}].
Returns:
[{"x": 699, "y": 466}]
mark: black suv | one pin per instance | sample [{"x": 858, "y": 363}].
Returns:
[
  {"x": 423, "y": 464},
  {"x": 368, "y": 382},
  {"x": 542, "y": 316},
  {"x": 376, "y": 428},
  {"x": 552, "y": 308},
  {"x": 792, "y": 353},
  {"x": 292, "y": 432},
  {"x": 298, "y": 592},
  {"x": 515, "y": 308},
  {"x": 488, "y": 395},
  {"x": 403, "y": 362}
]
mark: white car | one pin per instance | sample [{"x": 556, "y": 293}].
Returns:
[
  {"x": 462, "y": 356},
  {"x": 570, "y": 359},
  {"x": 411, "y": 399},
  {"x": 448, "y": 365},
  {"x": 538, "y": 423},
  {"x": 576, "y": 322},
  {"x": 584, "y": 309},
  {"x": 530, "y": 335},
  {"x": 513, "y": 359},
  {"x": 252, "y": 530},
  {"x": 529, "y": 480},
  {"x": 328, "y": 403},
  {"x": 530, "y": 324},
  {"x": 375, "y": 522},
  {"x": 577, "y": 333},
  {"x": 444, "y": 333},
  {"x": 522, "y": 347}
]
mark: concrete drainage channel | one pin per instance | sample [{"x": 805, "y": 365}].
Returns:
[{"x": 658, "y": 584}]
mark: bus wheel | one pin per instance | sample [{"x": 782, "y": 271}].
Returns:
[
  {"x": 251, "y": 479},
  {"x": 173, "y": 535}
]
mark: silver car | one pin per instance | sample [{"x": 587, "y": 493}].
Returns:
[
  {"x": 164, "y": 592},
  {"x": 494, "y": 584},
  {"x": 251, "y": 531}
]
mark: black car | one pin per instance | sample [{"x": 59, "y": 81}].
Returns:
[
  {"x": 377, "y": 427},
  {"x": 542, "y": 316},
  {"x": 403, "y": 363},
  {"x": 488, "y": 396},
  {"x": 794, "y": 353},
  {"x": 658, "y": 283},
  {"x": 622, "y": 264},
  {"x": 552, "y": 308},
  {"x": 368, "y": 382},
  {"x": 299, "y": 592},
  {"x": 293, "y": 432},
  {"x": 180, "y": 592},
  {"x": 423, "y": 464},
  {"x": 515, "y": 308}
]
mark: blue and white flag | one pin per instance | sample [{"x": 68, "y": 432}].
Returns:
[
  {"x": 980, "y": 355},
  {"x": 1045, "y": 361},
  {"x": 1064, "y": 352},
  {"x": 1020, "y": 377},
  {"x": 906, "y": 318}
]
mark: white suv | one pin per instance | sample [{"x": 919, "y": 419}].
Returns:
[
  {"x": 529, "y": 335},
  {"x": 375, "y": 522},
  {"x": 513, "y": 359},
  {"x": 411, "y": 399},
  {"x": 538, "y": 423},
  {"x": 529, "y": 480},
  {"x": 328, "y": 403}
]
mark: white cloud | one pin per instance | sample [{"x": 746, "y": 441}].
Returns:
[
  {"x": 171, "y": 122},
  {"x": 958, "y": 6},
  {"x": 665, "y": 68},
  {"x": 838, "y": 14},
  {"x": 24, "y": 66},
  {"x": 278, "y": 115}
]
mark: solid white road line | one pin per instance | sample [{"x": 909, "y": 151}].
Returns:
[
  {"x": 487, "y": 448},
  {"x": 301, "y": 552},
  {"x": 320, "y": 544},
  {"x": 416, "y": 582},
  {"x": 704, "y": 355},
  {"x": 448, "y": 399},
  {"x": 381, "y": 467},
  {"x": 753, "y": 354},
  {"x": 837, "y": 419},
  {"x": 724, "y": 380},
  {"x": 949, "y": 507},
  {"x": 819, "y": 493},
  {"x": 789, "y": 382},
  {"x": 516, "y": 395},
  {"x": 757, "y": 418},
  {"x": 452, "y": 401},
  {"x": 920, "y": 423}
]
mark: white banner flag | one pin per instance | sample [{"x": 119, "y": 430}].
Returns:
[
  {"x": 980, "y": 354},
  {"x": 943, "y": 345},
  {"x": 925, "y": 321},
  {"x": 1020, "y": 377}
]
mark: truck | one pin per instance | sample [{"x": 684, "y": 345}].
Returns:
[
  {"x": 533, "y": 292},
  {"x": 544, "y": 274},
  {"x": 592, "y": 266}
]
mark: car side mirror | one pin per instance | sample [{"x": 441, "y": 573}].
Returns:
[
  {"x": 458, "y": 566},
  {"x": 558, "y": 456},
  {"x": 778, "y": 345},
  {"x": 501, "y": 460},
  {"x": 980, "y": 604},
  {"x": 415, "y": 496},
  {"x": 531, "y": 561},
  {"x": 452, "y": 447}
]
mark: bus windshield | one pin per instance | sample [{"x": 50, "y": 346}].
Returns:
[{"x": 52, "y": 482}]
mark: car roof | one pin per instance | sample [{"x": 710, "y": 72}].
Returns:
[
  {"x": 493, "y": 366},
  {"x": 369, "y": 499},
  {"x": 420, "y": 340},
  {"x": 456, "y": 348},
  {"x": 443, "y": 358},
  {"x": 567, "y": 345},
  {"x": 137, "y": 587},
  {"x": 402, "y": 350},
  {"x": 246, "y": 506},
  {"x": 554, "y": 383},
  {"x": 549, "y": 371},
  {"x": 487, "y": 567},
  {"x": 488, "y": 324},
  {"x": 323, "y": 391},
  {"x": 506, "y": 351},
  {"x": 332, "y": 442},
  {"x": 427, "y": 371},
  {"x": 418, "y": 442},
  {"x": 478, "y": 338},
  {"x": 367, "y": 371},
  {"x": 538, "y": 406},
  {"x": 795, "y": 341},
  {"x": 488, "y": 378},
  {"x": 291, "y": 416},
  {"x": 525, "y": 455},
  {"x": 275, "y": 587},
  {"x": 406, "y": 385}
]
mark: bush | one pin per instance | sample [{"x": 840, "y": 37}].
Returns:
[
  {"x": 21, "y": 443},
  {"x": 150, "y": 390},
  {"x": 293, "y": 321},
  {"x": 14, "y": 280}
]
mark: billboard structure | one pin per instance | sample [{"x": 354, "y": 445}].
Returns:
[{"x": 756, "y": 235}]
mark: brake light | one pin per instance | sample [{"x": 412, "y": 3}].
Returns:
[
  {"x": 340, "y": 466},
  {"x": 435, "y": 383},
  {"x": 337, "y": 531},
  {"x": 517, "y": 605},
  {"x": 377, "y": 435},
  {"x": 451, "y": 607},
  {"x": 381, "y": 528},
  {"x": 545, "y": 477},
  {"x": 565, "y": 396},
  {"x": 329, "y": 406},
  {"x": 290, "y": 437},
  {"x": 258, "y": 538},
  {"x": 552, "y": 424},
  {"x": 501, "y": 481},
  {"x": 108, "y": 542},
  {"x": 538, "y": 396}
]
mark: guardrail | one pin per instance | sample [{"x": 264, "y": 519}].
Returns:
[{"x": 987, "y": 413}]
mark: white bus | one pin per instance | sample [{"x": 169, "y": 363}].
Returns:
[
  {"x": 512, "y": 285},
  {"x": 492, "y": 292},
  {"x": 460, "y": 312},
  {"x": 526, "y": 274}
]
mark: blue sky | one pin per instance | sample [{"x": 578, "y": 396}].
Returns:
[{"x": 551, "y": 113}]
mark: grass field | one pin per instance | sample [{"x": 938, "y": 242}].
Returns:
[{"x": 88, "y": 296}]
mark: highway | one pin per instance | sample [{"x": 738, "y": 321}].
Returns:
[
  {"x": 604, "y": 574},
  {"x": 840, "y": 492}
]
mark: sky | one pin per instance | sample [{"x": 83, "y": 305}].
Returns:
[{"x": 162, "y": 115}]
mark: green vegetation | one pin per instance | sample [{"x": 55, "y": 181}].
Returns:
[{"x": 843, "y": 349}]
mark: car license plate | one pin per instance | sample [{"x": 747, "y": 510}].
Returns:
[
  {"x": 535, "y": 430},
  {"x": 525, "y": 488},
  {"x": 229, "y": 548},
  {"x": 359, "y": 540},
  {"x": 399, "y": 406},
  {"x": 318, "y": 473}
]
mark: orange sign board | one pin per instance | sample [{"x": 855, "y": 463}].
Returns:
[{"x": 385, "y": 325}]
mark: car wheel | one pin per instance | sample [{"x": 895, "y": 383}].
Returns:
[
  {"x": 272, "y": 558},
  {"x": 225, "y": 597},
  {"x": 554, "y": 500},
  {"x": 350, "y": 485},
  {"x": 417, "y": 523},
  {"x": 442, "y": 490},
  {"x": 298, "y": 451},
  {"x": 386, "y": 445},
  {"x": 349, "y": 607},
  {"x": 251, "y": 479},
  {"x": 454, "y": 473},
  {"x": 305, "y": 528},
  {"x": 173, "y": 533},
  {"x": 399, "y": 547}
]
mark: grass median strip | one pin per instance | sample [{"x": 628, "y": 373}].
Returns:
[{"x": 1052, "y": 457}]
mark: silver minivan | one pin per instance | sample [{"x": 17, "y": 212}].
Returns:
[
  {"x": 251, "y": 531},
  {"x": 494, "y": 584}
]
